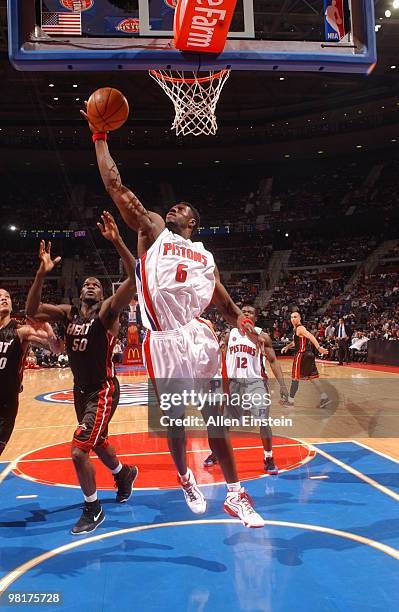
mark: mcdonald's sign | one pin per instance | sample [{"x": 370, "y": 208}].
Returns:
[{"x": 133, "y": 355}]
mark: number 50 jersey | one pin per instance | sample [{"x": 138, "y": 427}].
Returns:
[
  {"x": 89, "y": 347},
  {"x": 175, "y": 282}
]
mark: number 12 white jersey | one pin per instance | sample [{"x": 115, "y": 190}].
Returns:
[{"x": 243, "y": 359}]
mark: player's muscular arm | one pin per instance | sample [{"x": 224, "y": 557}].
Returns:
[
  {"x": 288, "y": 347},
  {"x": 133, "y": 212},
  {"x": 270, "y": 355},
  {"x": 111, "y": 308},
  {"x": 302, "y": 331},
  {"x": 230, "y": 311},
  {"x": 34, "y": 307}
]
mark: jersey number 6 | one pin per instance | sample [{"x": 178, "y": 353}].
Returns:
[{"x": 181, "y": 273}]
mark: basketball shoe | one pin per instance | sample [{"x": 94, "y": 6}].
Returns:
[
  {"x": 211, "y": 460},
  {"x": 192, "y": 494},
  {"x": 270, "y": 467},
  {"x": 239, "y": 504},
  {"x": 92, "y": 516},
  {"x": 124, "y": 482}
]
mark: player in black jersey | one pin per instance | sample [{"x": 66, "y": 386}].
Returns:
[
  {"x": 14, "y": 342},
  {"x": 304, "y": 365},
  {"x": 91, "y": 333}
]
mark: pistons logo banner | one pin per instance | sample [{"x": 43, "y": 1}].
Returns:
[
  {"x": 335, "y": 19},
  {"x": 77, "y": 6}
]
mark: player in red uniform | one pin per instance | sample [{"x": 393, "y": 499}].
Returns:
[
  {"x": 91, "y": 333},
  {"x": 304, "y": 365},
  {"x": 14, "y": 342}
]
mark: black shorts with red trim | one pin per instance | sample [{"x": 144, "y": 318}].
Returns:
[
  {"x": 8, "y": 414},
  {"x": 304, "y": 366},
  {"x": 94, "y": 409}
]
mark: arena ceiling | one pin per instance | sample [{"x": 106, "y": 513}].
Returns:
[{"x": 251, "y": 100}]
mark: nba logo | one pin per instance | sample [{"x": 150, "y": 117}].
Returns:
[
  {"x": 77, "y": 6},
  {"x": 171, "y": 3}
]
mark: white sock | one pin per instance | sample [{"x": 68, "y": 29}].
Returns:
[
  {"x": 268, "y": 454},
  {"x": 117, "y": 469},
  {"x": 291, "y": 400},
  {"x": 91, "y": 498},
  {"x": 234, "y": 487},
  {"x": 323, "y": 396}
]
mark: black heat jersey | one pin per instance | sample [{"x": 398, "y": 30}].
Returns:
[
  {"x": 11, "y": 361},
  {"x": 89, "y": 346},
  {"x": 304, "y": 365}
]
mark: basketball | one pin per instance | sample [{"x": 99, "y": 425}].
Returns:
[{"x": 107, "y": 109}]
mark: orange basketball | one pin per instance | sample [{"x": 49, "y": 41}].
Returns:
[{"x": 107, "y": 109}]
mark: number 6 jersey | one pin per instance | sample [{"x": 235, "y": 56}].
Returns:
[{"x": 175, "y": 282}]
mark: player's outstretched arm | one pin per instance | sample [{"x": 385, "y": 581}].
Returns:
[
  {"x": 41, "y": 335},
  {"x": 230, "y": 311},
  {"x": 110, "y": 231},
  {"x": 288, "y": 347},
  {"x": 34, "y": 307},
  {"x": 270, "y": 355},
  {"x": 113, "y": 306},
  {"x": 302, "y": 331}
]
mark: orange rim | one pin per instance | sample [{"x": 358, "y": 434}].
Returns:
[{"x": 170, "y": 79}]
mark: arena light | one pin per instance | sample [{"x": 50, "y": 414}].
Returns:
[
  {"x": 395, "y": 4},
  {"x": 388, "y": 14},
  {"x": 393, "y": 67},
  {"x": 55, "y": 98},
  {"x": 282, "y": 78},
  {"x": 13, "y": 228},
  {"x": 286, "y": 234},
  {"x": 51, "y": 84},
  {"x": 74, "y": 85}
]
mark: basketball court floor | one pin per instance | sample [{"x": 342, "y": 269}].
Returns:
[{"x": 331, "y": 540}]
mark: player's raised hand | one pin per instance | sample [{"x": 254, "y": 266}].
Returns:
[
  {"x": 46, "y": 263},
  {"x": 108, "y": 227},
  {"x": 85, "y": 116}
]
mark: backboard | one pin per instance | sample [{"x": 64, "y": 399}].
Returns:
[{"x": 302, "y": 35}]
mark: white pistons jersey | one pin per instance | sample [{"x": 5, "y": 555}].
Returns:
[
  {"x": 243, "y": 359},
  {"x": 175, "y": 282}
]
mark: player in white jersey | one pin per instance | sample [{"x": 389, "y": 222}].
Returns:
[
  {"x": 177, "y": 279},
  {"x": 247, "y": 375}
]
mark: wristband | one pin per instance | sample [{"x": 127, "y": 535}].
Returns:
[
  {"x": 99, "y": 136},
  {"x": 243, "y": 321}
]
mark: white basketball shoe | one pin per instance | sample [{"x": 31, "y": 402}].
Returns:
[
  {"x": 239, "y": 504},
  {"x": 192, "y": 494}
]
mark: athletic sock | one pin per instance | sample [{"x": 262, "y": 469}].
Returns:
[
  {"x": 234, "y": 487},
  {"x": 90, "y": 499},
  {"x": 117, "y": 469},
  {"x": 268, "y": 454}
]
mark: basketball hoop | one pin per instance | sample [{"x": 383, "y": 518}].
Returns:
[{"x": 194, "y": 98}]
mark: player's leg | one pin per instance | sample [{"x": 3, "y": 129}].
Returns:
[
  {"x": 8, "y": 413},
  {"x": 237, "y": 502},
  {"x": 91, "y": 410},
  {"x": 172, "y": 376},
  {"x": 124, "y": 474},
  {"x": 324, "y": 399}
]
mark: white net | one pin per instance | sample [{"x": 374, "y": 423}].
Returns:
[{"x": 194, "y": 98}]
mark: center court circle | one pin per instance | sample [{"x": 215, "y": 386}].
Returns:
[{"x": 53, "y": 465}]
